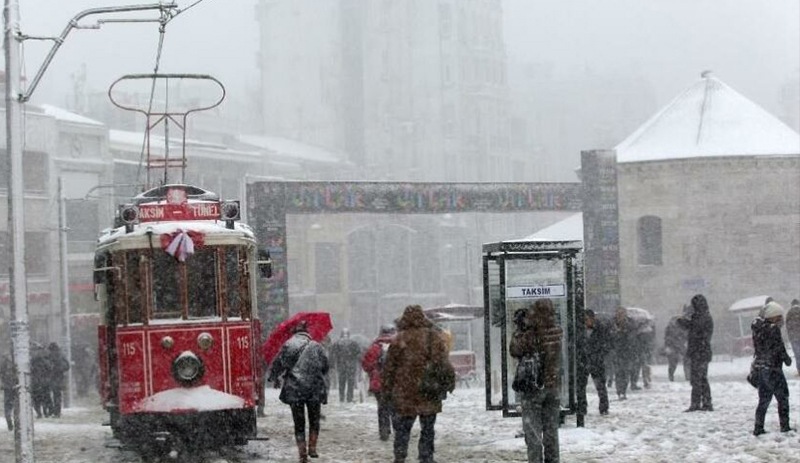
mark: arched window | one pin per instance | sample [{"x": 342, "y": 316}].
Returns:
[{"x": 649, "y": 240}]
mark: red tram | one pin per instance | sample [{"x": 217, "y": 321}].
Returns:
[{"x": 178, "y": 337}]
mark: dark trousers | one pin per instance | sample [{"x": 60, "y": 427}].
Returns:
[
  {"x": 42, "y": 401},
  {"x": 540, "y": 416},
  {"x": 402, "y": 433},
  {"x": 622, "y": 374},
  {"x": 385, "y": 412},
  {"x": 9, "y": 403},
  {"x": 347, "y": 379},
  {"x": 796, "y": 350},
  {"x": 299, "y": 418},
  {"x": 598, "y": 375},
  {"x": 771, "y": 382},
  {"x": 701, "y": 392},
  {"x": 55, "y": 394}
]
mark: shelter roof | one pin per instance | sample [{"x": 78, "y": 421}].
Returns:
[{"x": 569, "y": 229}]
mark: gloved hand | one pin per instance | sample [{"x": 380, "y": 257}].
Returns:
[{"x": 787, "y": 361}]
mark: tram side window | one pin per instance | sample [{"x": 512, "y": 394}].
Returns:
[
  {"x": 166, "y": 299},
  {"x": 237, "y": 295},
  {"x": 202, "y": 283},
  {"x": 134, "y": 275}
]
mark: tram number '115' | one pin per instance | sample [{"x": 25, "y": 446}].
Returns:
[
  {"x": 243, "y": 342},
  {"x": 129, "y": 349}
]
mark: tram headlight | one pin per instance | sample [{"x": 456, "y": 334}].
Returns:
[
  {"x": 204, "y": 341},
  {"x": 167, "y": 342},
  {"x": 187, "y": 369}
]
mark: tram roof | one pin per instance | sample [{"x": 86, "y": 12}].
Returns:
[{"x": 208, "y": 228}]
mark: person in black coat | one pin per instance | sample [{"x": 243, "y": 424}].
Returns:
[
  {"x": 301, "y": 367},
  {"x": 58, "y": 369},
  {"x": 599, "y": 342},
  {"x": 700, "y": 327},
  {"x": 346, "y": 356},
  {"x": 623, "y": 332},
  {"x": 8, "y": 376},
  {"x": 41, "y": 368},
  {"x": 770, "y": 356}
]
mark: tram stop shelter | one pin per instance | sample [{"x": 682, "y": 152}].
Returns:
[{"x": 515, "y": 274}]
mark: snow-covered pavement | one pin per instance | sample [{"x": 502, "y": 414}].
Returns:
[{"x": 649, "y": 427}]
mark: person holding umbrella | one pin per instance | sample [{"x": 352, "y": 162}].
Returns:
[{"x": 301, "y": 367}]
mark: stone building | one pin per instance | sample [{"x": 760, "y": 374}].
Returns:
[{"x": 709, "y": 202}]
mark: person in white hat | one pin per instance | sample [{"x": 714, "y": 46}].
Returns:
[{"x": 770, "y": 355}]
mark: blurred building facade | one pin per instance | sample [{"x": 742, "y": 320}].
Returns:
[{"x": 407, "y": 90}]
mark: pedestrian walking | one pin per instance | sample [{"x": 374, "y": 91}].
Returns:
[
  {"x": 41, "y": 368},
  {"x": 58, "y": 369},
  {"x": 541, "y": 408},
  {"x": 793, "y": 329},
  {"x": 417, "y": 343},
  {"x": 599, "y": 342},
  {"x": 770, "y": 356},
  {"x": 301, "y": 367},
  {"x": 624, "y": 351},
  {"x": 373, "y": 362},
  {"x": 345, "y": 355},
  {"x": 700, "y": 328},
  {"x": 675, "y": 347},
  {"x": 8, "y": 376}
]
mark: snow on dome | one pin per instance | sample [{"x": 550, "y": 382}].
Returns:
[
  {"x": 709, "y": 119},
  {"x": 201, "y": 399},
  {"x": 569, "y": 229}
]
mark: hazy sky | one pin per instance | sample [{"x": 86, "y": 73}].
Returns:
[{"x": 753, "y": 45}]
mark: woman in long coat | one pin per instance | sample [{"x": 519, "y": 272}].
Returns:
[
  {"x": 700, "y": 327},
  {"x": 417, "y": 341},
  {"x": 540, "y": 409},
  {"x": 301, "y": 366}
]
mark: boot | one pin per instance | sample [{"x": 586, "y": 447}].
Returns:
[
  {"x": 312, "y": 445},
  {"x": 301, "y": 449}
]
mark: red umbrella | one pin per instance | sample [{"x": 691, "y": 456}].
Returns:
[{"x": 318, "y": 324}]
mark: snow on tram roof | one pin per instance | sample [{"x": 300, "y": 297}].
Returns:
[{"x": 206, "y": 227}]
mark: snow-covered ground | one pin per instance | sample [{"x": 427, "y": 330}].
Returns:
[{"x": 649, "y": 427}]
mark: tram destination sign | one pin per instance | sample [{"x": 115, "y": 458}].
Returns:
[
  {"x": 186, "y": 211},
  {"x": 535, "y": 292}
]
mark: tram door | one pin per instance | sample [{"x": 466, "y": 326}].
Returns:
[{"x": 515, "y": 280}]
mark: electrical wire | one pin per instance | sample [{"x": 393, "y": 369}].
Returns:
[{"x": 188, "y": 7}]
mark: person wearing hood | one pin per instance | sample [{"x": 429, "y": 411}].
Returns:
[
  {"x": 373, "y": 362},
  {"x": 41, "y": 370},
  {"x": 624, "y": 332},
  {"x": 540, "y": 334},
  {"x": 301, "y": 367},
  {"x": 770, "y": 356},
  {"x": 416, "y": 343},
  {"x": 793, "y": 329},
  {"x": 699, "y": 327},
  {"x": 599, "y": 342},
  {"x": 58, "y": 369}
]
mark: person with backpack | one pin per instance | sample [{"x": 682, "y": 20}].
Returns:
[
  {"x": 301, "y": 367},
  {"x": 372, "y": 363}
]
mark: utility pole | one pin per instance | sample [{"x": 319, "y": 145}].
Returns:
[
  {"x": 66, "y": 335},
  {"x": 15, "y": 99},
  {"x": 20, "y": 334}
]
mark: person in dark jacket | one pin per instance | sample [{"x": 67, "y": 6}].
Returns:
[
  {"x": 373, "y": 362},
  {"x": 541, "y": 408},
  {"x": 8, "y": 376},
  {"x": 675, "y": 347},
  {"x": 345, "y": 355},
  {"x": 599, "y": 342},
  {"x": 58, "y": 369},
  {"x": 793, "y": 329},
  {"x": 416, "y": 343},
  {"x": 41, "y": 368},
  {"x": 770, "y": 356},
  {"x": 700, "y": 327},
  {"x": 301, "y": 367},
  {"x": 624, "y": 353}
]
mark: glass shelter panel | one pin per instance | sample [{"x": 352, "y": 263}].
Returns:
[
  {"x": 493, "y": 336},
  {"x": 526, "y": 281}
]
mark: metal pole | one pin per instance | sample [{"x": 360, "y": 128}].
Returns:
[
  {"x": 20, "y": 334},
  {"x": 66, "y": 334}
]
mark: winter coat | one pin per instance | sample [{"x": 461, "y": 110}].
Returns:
[
  {"x": 374, "y": 360},
  {"x": 58, "y": 364},
  {"x": 624, "y": 334},
  {"x": 302, "y": 365},
  {"x": 345, "y": 354},
  {"x": 540, "y": 334},
  {"x": 599, "y": 342},
  {"x": 793, "y": 323},
  {"x": 700, "y": 328},
  {"x": 770, "y": 351},
  {"x": 416, "y": 342},
  {"x": 674, "y": 338},
  {"x": 41, "y": 369},
  {"x": 8, "y": 375}
]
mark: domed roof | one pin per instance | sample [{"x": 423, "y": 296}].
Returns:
[{"x": 709, "y": 119}]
